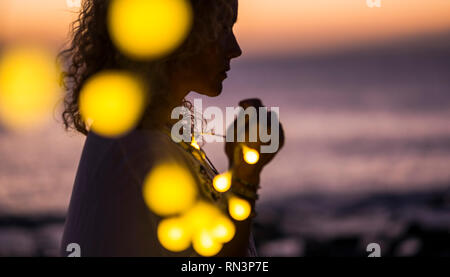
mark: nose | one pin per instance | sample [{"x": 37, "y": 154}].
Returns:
[{"x": 234, "y": 49}]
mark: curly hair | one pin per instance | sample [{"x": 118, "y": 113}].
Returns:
[{"x": 91, "y": 50}]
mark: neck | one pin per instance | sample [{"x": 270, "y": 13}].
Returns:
[{"x": 158, "y": 113}]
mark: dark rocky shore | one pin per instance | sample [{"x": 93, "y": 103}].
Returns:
[
  {"x": 413, "y": 224},
  {"x": 407, "y": 224}
]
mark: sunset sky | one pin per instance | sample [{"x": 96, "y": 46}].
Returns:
[{"x": 264, "y": 26}]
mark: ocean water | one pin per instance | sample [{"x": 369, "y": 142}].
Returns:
[
  {"x": 356, "y": 122},
  {"x": 367, "y": 148}
]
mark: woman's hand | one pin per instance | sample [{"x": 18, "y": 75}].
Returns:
[{"x": 242, "y": 170}]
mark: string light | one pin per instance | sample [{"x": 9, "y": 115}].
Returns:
[
  {"x": 148, "y": 29},
  {"x": 169, "y": 189},
  {"x": 194, "y": 143},
  {"x": 29, "y": 87},
  {"x": 238, "y": 208},
  {"x": 222, "y": 182},
  {"x": 173, "y": 234},
  {"x": 201, "y": 215},
  {"x": 205, "y": 244},
  {"x": 204, "y": 220},
  {"x": 251, "y": 156},
  {"x": 112, "y": 103},
  {"x": 223, "y": 229},
  {"x": 203, "y": 224}
]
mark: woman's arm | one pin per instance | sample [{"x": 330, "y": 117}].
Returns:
[
  {"x": 246, "y": 177},
  {"x": 238, "y": 246}
]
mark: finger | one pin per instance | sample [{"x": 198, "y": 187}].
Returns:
[
  {"x": 252, "y": 102},
  {"x": 281, "y": 136}
]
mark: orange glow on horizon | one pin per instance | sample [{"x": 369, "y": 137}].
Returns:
[
  {"x": 264, "y": 26},
  {"x": 299, "y": 25}
]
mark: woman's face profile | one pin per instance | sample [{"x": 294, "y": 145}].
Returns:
[{"x": 208, "y": 70}]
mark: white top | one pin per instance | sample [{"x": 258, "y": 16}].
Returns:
[{"x": 107, "y": 214}]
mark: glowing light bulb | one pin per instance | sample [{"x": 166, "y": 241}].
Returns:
[
  {"x": 112, "y": 102},
  {"x": 201, "y": 216},
  {"x": 204, "y": 244},
  {"x": 210, "y": 228},
  {"x": 223, "y": 229},
  {"x": 222, "y": 182},
  {"x": 194, "y": 143},
  {"x": 29, "y": 88},
  {"x": 169, "y": 189},
  {"x": 146, "y": 29},
  {"x": 238, "y": 208},
  {"x": 251, "y": 156},
  {"x": 173, "y": 235}
]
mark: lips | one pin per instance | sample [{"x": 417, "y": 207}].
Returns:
[
  {"x": 226, "y": 67},
  {"x": 224, "y": 72},
  {"x": 223, "y": 75}
]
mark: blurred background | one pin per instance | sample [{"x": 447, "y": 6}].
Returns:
[{"x": 364, "y": 98}]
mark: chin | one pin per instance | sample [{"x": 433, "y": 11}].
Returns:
[{"x": 212, "y": 91}]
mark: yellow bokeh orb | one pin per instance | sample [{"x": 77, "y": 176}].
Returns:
[
  {"x": 169, "y": 189},
  {"x": 204, "y": 243},
  {"x": 222, "y": 182},
  {"x": 173, "y": 235},
  {"x": 251, "y": 156},
  {"x": 201, "y": 216},
  {"x": 112, "y": 102},
  {"x": 223, "y": 229},
  {"x": 29, "y": 88},
  {"x": 194, "y": 143},
  {"x": 239, "y": 208},
  {"x": 146, "y": 29}
]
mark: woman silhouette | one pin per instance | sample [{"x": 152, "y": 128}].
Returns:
[{"x": 108, "y": 215}]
